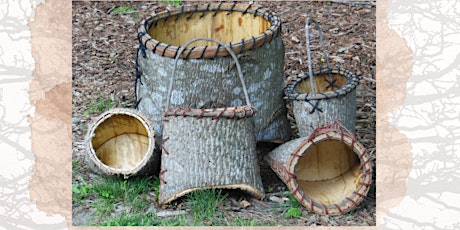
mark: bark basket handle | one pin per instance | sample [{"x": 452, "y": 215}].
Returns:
[
  {"x": 230, "y": 51},
  {"x": 310, "y": 65}
]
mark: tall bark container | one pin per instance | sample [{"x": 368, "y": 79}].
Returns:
[
  {"x": 251, "y": 31},
  {"x": 329, "y": 104},
  {"x": 121, "y": 142},
  {"x": 321, "y": 97},
  {"x": 204, "y": 148},
  {"x": 329, "y": 172}
]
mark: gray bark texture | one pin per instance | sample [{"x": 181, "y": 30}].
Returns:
[
  {"x": 199, "y": 81},
  {"x": 342, "y": 108},
  {"x": 206, "y": 153},
  {"x": 279, "y": 157}
]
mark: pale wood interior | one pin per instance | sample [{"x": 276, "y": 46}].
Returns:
[
  {"x": 328, "y": 172},
  {"x": 121, "y": 141},
  {"x": 332, "y": 191},
  {"x": 223, "y": 27},
  {"x": 320, "y": 83},
  {"x": 123, "y": 151}
]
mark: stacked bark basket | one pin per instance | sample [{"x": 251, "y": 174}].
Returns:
[{"x": 203, "y": 108}]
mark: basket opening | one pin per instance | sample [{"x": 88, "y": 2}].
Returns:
[
  {"x": 227, "y": 28},
  {"x": 328, "y": 172},
  {"x": 321, "y": 83},
  {"x": 121, "y": 141}
]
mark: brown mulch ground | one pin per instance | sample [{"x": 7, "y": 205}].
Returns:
[{"x": 103, "y": 64}]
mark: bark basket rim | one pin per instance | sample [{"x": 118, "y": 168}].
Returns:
[
  {"x": 286, "y": 166},
  {"x": 126, "y": 172},
  {"x": 294, "y": 95},
  {"x": 146, "y": 41}
]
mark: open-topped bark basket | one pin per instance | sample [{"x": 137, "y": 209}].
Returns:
[
  {"x": 212, "y": 147},
  {"x": 121, "y": 142},
  {"x": 323, "y": 96},
  {"x": 329, "y": 172},
  {"x": 251, "y": 31}
]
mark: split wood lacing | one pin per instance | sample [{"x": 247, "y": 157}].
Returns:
[
  {"x": 245, "y": 44},
  {"x": 351, "y": 201},
  {"x": 228, "y": 112}
]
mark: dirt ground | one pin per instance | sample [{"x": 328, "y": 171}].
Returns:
[{"x": 103, "y": 65}]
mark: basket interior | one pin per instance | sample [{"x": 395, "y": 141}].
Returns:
[
  {"x": 328, "y": 172},
  {"x": 321, "y": 83},
  {"x": 121, "y": 141},
  {"x": 226, "y": 28}
]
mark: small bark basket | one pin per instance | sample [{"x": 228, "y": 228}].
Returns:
[
  {"x": 329, "y": 172},
  {"x": 249, "y": 30},
  {"x": 209, "y": 148},
  {"x": 327, "y": 96},
  {"x": 121, "y": 141}
]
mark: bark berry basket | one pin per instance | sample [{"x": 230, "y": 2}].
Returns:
[
  {"x": 321, "y": 97},
  {"x": 249, "y": 30},
  {"x": 209, "y": 148},
  {"x": 329, "y": 172}
]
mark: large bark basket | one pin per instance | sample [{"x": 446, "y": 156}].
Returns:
[
  {"x": 209, "y": 147},
  {"x": 121, "y": 141},
  {"x": 329, "y": 172},
  {"x": 251, "y": 31},
  {"x": 321, "y": 97}
]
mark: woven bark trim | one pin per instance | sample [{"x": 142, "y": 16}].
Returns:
[
  {"x": 226, "y": 112},
  {"x": 353, "y": 81},
  {"x": 167, "y": 50},
  {"x": 365, "y": 171},
  {"x": 150, "y": 155}
]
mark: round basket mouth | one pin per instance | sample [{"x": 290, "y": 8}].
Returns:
[
  {"x": 216, "y": 113},
  {"x": 240, "y": 26},
  {"x": 329, "y": 83},
  {"x": 332, "y": 172},
  {"x": 120, "y": 141}
]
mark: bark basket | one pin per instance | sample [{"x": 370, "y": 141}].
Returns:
[
  {"x": 329, "y": 172},
  {"x": 321, "y": 97},
  {"x": 250, "y": 31},
  {"x": 209, "y": 148},
  {"x": 121, "y": 141}
]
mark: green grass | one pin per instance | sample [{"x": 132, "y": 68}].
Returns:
[
  {"x": 123, "y": 10},
  {"x": 81, "y": 191},
  {"x": 173, "y": 2},
  {"x": 118, "y": 202},
  {"x": 99, "y": 106},
  {"x": 203, "y": 206},
  {"x": 134, "y": 219},
  {"x": 295, "y": 209},
  {"x": 115, "y": 192}
]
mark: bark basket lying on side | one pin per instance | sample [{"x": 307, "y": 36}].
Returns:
[
  {"x": 251, "y": 31},
  {"x": 121, "y": 141},
  {"x": 209, "y": 147},
  {"x": 329, "y": 172}
]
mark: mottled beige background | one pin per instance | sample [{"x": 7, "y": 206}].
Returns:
[{"x": 51, "y": 94}]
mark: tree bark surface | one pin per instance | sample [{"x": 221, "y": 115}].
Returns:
[
  {"x": 206, "y": 153},
  {"x": 199, "y": 81}
]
